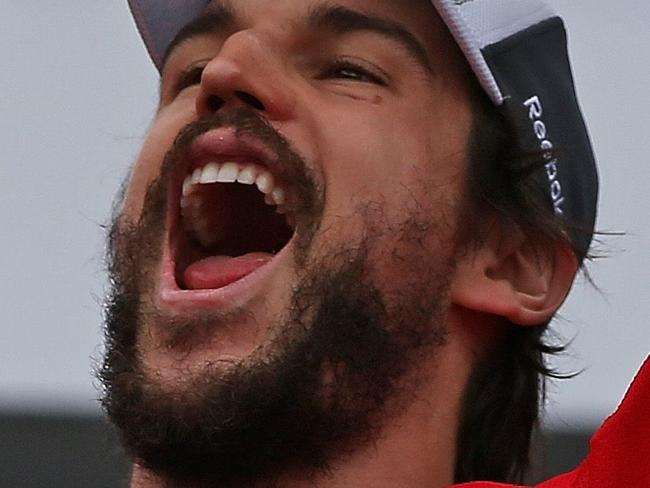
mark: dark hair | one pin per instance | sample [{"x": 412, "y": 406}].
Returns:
[{"x": 507, "y": 389}]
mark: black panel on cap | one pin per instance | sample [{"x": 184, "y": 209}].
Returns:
[{"x": 533, "y": 72}]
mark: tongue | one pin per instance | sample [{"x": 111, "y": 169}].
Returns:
[{"x": 219, "y": 271}]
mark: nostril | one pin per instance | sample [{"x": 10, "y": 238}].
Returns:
[
  {"x": 215, "y": 103},
  {"x": 249, "y": 99}
]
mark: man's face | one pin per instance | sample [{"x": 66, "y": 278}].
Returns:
[{"x": 355, "y": 117}]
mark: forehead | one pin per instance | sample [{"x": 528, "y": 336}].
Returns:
[
  {"x": 417, "y": 17},
  {"x": 410, "y": 11}
]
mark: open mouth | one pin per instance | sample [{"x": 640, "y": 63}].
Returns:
[{"x": 233, "y": 217}]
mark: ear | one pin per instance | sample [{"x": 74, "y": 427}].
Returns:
[{"x": 511, "y": 276}]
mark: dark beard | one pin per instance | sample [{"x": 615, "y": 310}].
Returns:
[{"x": 324, "y": 387}]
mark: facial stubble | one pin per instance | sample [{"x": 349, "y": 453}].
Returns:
[{"x": 339, "y": 366}]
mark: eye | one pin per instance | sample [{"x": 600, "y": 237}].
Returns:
[
  {"x": 345, "y": 69},
  {"x": 189, "y": 77}
]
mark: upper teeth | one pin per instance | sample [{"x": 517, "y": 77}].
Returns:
[
  {"x": 193, "y": 205},
  {"x": 244, "y": 173}
]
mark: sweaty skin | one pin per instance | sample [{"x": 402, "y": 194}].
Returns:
[{"x": 377, "y": 126}]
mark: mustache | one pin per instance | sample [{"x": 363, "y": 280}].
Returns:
[{"x": 246, "y": 122}]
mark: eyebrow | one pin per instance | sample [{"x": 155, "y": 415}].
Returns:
[
  {"x": 342, "y": 20},
  {"x": 215, "y": 20},
  {"x": 324, "y": 17}
]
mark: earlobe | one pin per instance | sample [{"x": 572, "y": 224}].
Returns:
[{"x": 512, "y": 276}]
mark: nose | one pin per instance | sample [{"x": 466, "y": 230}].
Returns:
[{"x": 247, "y": 71}]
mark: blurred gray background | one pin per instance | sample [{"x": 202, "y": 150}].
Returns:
[{"x": 77, "y": 92}]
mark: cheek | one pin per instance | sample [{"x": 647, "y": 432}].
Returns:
[
  {"x": 381, "y": 158},
  {"x": 147, "y": 168}
]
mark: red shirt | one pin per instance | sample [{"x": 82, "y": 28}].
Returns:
[{"x": 619, "y": 453}]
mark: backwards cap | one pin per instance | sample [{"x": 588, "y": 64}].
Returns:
[{"x": 518, "y": 52}]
